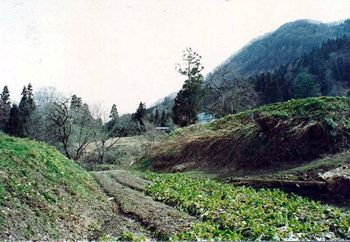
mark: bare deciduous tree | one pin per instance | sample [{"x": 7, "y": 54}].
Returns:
[
  {"x": 103, "y": 134},
  {"x": 72, "y": 127},
  {"x": 229, "y": 94}
]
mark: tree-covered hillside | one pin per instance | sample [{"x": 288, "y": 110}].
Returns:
[
  {"x": 285, "y": 44},
  {"x": 324, "y": 71}
]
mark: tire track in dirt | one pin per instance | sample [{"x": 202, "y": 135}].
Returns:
[
  {"x": 126, "y": 178},
  {"x": 163, "y": 220}
]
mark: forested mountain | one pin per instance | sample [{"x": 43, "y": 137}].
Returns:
[
  {"x": 324, "y": 71},
  {"x": 288, "y": 42}
]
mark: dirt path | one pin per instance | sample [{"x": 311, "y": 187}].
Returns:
[{"x": 156, "y": 218}]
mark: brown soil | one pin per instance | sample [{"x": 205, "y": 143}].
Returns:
[
  {"x": 164, "y": 221},
  {"x": 127, "y": 179}
]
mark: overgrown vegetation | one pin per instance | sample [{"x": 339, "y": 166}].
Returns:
[
  {"x": 242, "y": 213},
  {"x": 44, "y": 195},
  {"x": 274, "y": 135}
]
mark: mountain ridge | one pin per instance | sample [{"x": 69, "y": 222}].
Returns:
[{"x": 292, "y": 39}]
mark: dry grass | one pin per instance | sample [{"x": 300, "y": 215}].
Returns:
[{"x": 278, "y": 135}]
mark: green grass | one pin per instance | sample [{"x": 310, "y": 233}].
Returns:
[
  {"x": 242, "y": 213},
  {"x": 44, "y": 194}
]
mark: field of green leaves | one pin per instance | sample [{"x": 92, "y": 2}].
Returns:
[{"x": 242, "y": 213}]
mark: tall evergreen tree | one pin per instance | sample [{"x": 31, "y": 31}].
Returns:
[
  {"x": 140, "y": 115},
  {"x": 114, "y": 113},
  {"x": 31, "y": 103},
  {"x": 5, "y": 107},
  {"x": 187, "y": 101},
  {"x": 26, "y": 109},
  {"x": 164, "y": 119},
  {"x": 113, "y": 124},
  {"x": 13, "y": 124},
  {"x": 156, "y": 118},
  {"x": 75, "y": 102}
]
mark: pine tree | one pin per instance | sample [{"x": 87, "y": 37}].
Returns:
[
  {"x": 13, "y": 124},
  {"x": 26, "y": 109},
  {"x": 23, "y": 114},
  {"x": 163, "y": 120},
  {"x": 31, "y": 103},
  {"x": 5, "y": 108},
  {"x": 140, "y": 115},
  {"x": 156, "y": 118},
  {"x": 187, "y": 101},
  {"x": 114, "y": 113},
  {"x": 113, "y": 124},
  {"x": 75, "y": 102}
]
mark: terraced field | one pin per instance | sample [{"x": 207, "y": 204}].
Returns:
[
  {"x": 156, "y": 219},
  {"x": 174, "y": 206}
]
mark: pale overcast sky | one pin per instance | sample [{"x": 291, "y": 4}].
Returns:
[{"x": 124, "y": 51}]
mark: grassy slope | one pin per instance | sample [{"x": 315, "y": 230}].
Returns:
[
  {"x": 43, "y": 195},
  {"x": 282, "y": 134}
]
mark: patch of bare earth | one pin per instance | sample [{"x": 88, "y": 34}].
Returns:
[{"x": 126, "y": 190}]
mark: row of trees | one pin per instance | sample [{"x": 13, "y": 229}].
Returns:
[
  {"x": 17, "y": 120},
  {"x": 66, "y": 122}
]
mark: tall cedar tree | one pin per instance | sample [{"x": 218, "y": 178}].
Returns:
[
  {"x": 113, "y": 123},
  {"x": 187, "y": 101},
  {"x": 164, "y": 119},
  {"x": 156, "y": 117},
  {"x": 75, "y": 102},
  {"x": 114, "y": 113},
  {"x": 13, "y": 124},
  {"x": 26, "y": 109},
  {"x": 5, "y": 108},
  {"x": 140, "y": 115}
]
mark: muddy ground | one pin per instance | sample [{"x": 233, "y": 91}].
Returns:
[{"x": 137, "y": 213}]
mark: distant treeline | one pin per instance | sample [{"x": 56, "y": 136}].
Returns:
[{"x": 68, "y": 123}]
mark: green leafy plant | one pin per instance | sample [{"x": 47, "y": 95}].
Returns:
[{"x": 242, "y": 213}]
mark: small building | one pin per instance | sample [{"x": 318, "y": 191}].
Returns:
[
  {"x": 164, "y": 129},
  {"x": 203, "y": 118}
]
